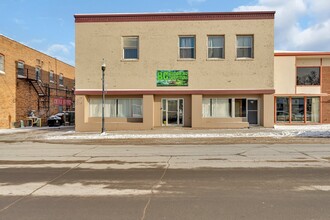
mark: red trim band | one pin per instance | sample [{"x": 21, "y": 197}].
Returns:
[
  {"x": 281, "y": 54},
  {"x": 176, "y": 92},
  {"x": 84, "y": 18}
]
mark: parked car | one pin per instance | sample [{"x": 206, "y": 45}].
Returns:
[{"x": 61, "y": 118}]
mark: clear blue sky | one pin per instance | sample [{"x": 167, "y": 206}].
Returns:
[{"x": 48, "y": 25}]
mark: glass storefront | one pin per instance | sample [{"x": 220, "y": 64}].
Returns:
[
  {"x": 298, "y": 109},
  {"x": 302, "y": 109},
  {"x": 282, "y": 109}
]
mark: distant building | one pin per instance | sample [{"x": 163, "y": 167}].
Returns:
[
  {"x": 199, "y": 70},
  {"x": 31, "y": 81},
  {"x": 302, "y": 85}
]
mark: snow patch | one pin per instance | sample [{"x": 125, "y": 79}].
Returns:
[
  {"x": 69, "y": 189},
  {"x": 313, "y": 188}
]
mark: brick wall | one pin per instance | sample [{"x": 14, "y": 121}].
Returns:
[
  {"x": 17, "y": 95},
  {"x": 326, "y": 99}
]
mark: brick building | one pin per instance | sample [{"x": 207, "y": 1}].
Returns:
[{"x": 32, "y": 81}]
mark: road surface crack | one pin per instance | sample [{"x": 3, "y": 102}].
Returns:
[
  {"x": 154, "y": 186},
  {"x": 42, "y": 186}
]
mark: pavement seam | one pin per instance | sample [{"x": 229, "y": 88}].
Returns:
[
  {"x": 154, "y": 186},
  {"x": 313, "y": 157},
  {"x": 47, "y": 183}
]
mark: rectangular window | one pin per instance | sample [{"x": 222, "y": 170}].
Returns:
[
  {"x": 216, "y": 47},
  {"x": 216, "y": 108},
  {"x": 245, "y": 46},
  {"x": 60, "y": 79},
  {"x": 116, "y": 108},
  {"x": 38, "y": 73},
  {"x": 282, "y": 109},
  {"x": 131, "y": 47},
  {"x": 298, "y": 109},
  {"x": 187, "y": 47},
  {"x": 240, "y": 108},
  {"x": 313, "y": 109},
  {"x": 308, "y": 76},
  {"x": 20, "y": 68},
  {"x": 51, "y": 76},
  {"x": 2, "y": 63}
]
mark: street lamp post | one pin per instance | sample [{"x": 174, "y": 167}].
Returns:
[{"x": 103, "y": 95}]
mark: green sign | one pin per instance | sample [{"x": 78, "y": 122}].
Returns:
[{"x": 172, "y": 77}]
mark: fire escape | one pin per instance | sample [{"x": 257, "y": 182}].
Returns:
[{"x": 42, "y": 90}]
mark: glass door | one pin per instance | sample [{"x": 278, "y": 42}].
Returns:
[
  {"x": 172, "y": 112},
  {"x": 253, "y": 111}
]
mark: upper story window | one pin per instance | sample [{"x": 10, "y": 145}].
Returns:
[
  {"x": 187, "y": 47},
  {"x": 38, "y": 73},
  {"x": 308, "y": 76},
  {"x": 60, "y": 80},
  {"x": 2, "y": 63},
  {"x": 51, "y": 76},
  {"x": 20, "y": 68},
  {"x": 131, "y": 48},
  {"x": 216, "y": 47},
  {"x": 245, "y": 46}
]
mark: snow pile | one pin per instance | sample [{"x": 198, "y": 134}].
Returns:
[{"x": 278, "y": 132}]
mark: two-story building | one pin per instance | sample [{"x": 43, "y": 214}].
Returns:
[
  {"x": 32, "y": 82},
  {"x": 199, "y": 70}
]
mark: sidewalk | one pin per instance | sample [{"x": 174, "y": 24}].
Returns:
[{"x": 311, "y": 134}]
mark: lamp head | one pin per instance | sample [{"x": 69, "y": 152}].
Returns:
[{"x": 103, "y": 66}]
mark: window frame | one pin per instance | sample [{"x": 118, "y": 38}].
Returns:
[
  {"x": 223, "y": 47},
  {"x": 61, "y": 80},
  {"x": 3, "y": 71},
  {"x": 17, "y": 69},
  {"x": 211, "y": 113},
  {"x": 38, "y": 76},
  {"x": 252, "y": 47},
  {"x": 137, "y": 48},
  {"x": 310, "y": 67},
  {"x": 179, "y": 47},
  {"x": 116, "y": 101},
  {"x": 51, "y": 72}
]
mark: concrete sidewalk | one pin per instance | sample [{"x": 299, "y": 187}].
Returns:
[{"x": 38, "y": 155}]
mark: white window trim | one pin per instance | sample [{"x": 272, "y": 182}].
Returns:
[
  {"x": 4, "y": 69},
  {"x": 245, "y": 58},
  {"x": 186, "y": 59},
  {"x": 59, "y": 80},
  {"x": 51, "y": 81},
  {"x": 138, "y": 49},
  {"x": 223, "y": 48}
]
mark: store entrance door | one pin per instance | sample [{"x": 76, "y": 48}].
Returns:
[
  {"x": 253, "y": 111},
  {"x": 172, "y": 112}
]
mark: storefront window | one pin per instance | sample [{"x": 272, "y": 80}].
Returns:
[
  {"x": 217, "y": 108},
  {"x": 240, "y": 108},
  {"x": 313, "y": 109},
  {"x": 282, "y": 109},
  {"x": 116, "y": 108},
  {"x": 298, "y": 107}
]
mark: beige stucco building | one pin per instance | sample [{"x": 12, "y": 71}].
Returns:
[
  {"x": 199, "y": 70},
  {"x": 302, "y": 85}
]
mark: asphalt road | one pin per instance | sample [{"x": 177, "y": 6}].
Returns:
[
  {"x": 262, "y": 193},
  {"x": 61, "y": 181}
]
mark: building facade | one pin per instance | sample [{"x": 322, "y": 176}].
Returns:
[
  {"x": 32, "y": 81},
  {"x": 199, "y": 70},
  {"x": 302, "y": 85}
]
